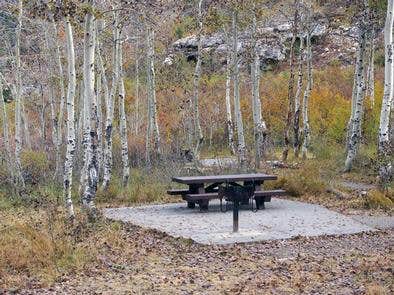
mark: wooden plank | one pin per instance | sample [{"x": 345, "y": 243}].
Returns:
[
  {"x": 200, "y": 197},
  {"x": 175, "y": 192},
  {"x": 224, "y": 178}
]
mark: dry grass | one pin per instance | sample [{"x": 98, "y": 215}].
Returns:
[
  {"x": 144, "y": 187},
  {"x": 305, "y": 180},
  {"x": 376, "y": 290},
  {"x": 379, "y": 200},
  {"x": 39, "y": 246}
]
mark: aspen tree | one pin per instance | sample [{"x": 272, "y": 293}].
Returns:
[
  {"x": 122, "y": 121},
  {"x": 6, "y": 132},
  {"x": 51, "y": 91},
  {"x": 229, "y": 120},
  {"x": 259, "y": 129},
  {"x": 198, "y": 136},
  {"x": 385, "y": 150},
  {"x": 18, "y": 100},
  {"x": 371, "y": 70},
  {"x": 137, "y": 89},
  {"x": 290, "y": 93},
  {"x": 297, "y": 100},
  {"x": 237, "y": 106},
  {"x": 59, "y": 116},
  {"x": 356, "y": 117},
  {"x": 105, "y": 95},
  {"x": 99, "y": 118},
  {"x": 90, "y": 136},
  {"x": 153, "y": 126},
  {"x": 69, "y": 161},
  {"x": 101, "y": 94},
  {"x": 305, "y": 103},
  {"x": 110, "y": 103}
]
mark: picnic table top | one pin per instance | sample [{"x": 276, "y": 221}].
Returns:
[{"x": 224, "y": 178}]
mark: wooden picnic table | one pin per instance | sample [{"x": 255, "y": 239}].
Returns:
[
  {"x": 256, "y": 177},
  {"x": 204, "y": 188}
]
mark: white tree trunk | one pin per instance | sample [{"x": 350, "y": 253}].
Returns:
[
  {"x": 198, "y": 136},
  {"x": 99, "y": 120},
  {"x": 69, "y": 161},
  {"x": 259, "y": 129},
  {"x": 148, "y": 136},
  {"x": 297, "y": 100},
  {"x": 51, "y": 90},
  {"x": 356, "y": 120},
  {"x": 26, "y": 130},
  {"x": 149, "y": 128},
  {"x": 384, "y": 148},
  {"x": 59, "y": 116},
  {"x": 371, "y": 70},
  {"x": 18, "y": 102},
  {"x": 123, "y": 122},
  {"x": 230, "y": 124},
  {"x": 237, "y": 105},
  {"x": 290, "y": 92},
  {"x": 7, "y": 146},
  {"x": 90, "y": 119},
  {"x": 229, "y": 120},
  {"x": 152, "y": 92},
  {"x": 110, "y": 104},
  {"x": 353, "y": 104},
  {"x": 101, "y": 93},
  {"x": 80, "y": 119},
  {"x": 305, "y": 104},
  {"x": 137, "y": 90}
]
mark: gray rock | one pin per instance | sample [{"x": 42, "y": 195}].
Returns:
[{"x": 329, "y": 42}]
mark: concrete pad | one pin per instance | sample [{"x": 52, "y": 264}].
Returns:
[
  {"x": 281, "y": 219},
  {"x": 380, "y": 222}
]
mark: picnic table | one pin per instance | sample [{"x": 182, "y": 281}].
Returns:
[
  {"x": 236, "y": 188},
  {"x": 202, "y": 189}
]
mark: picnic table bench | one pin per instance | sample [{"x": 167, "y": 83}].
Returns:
[{"x": 236, "y": 188}]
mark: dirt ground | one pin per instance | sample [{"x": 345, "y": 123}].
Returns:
[{"x": 147, "y": 262}]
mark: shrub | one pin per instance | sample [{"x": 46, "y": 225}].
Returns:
[
  {"x": 40, "y": 246},
  {"x": 144, "y": 186},
  {"x": 379, "y": 200},
  {"x": 298, "y": 182},
  {"x": 45, "y": 251},
  {"x": 35, "y": 166}
]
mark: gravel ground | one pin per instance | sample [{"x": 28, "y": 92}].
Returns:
[
  {"x": 149, "y": 262},
  {"x": 280, "y": 220}
]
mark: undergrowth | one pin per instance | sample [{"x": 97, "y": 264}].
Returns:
[{"x": 38, "y": 246}]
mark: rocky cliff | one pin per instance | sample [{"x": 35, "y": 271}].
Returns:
[{"x": 331, "y": 41}]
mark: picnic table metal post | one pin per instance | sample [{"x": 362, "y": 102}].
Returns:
[
  {"x": 235, "y": 214},
  {"x": 257, "y": 187}
]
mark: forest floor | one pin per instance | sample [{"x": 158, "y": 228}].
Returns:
[
  {"x": 149, "y": 262},
  {"x": 40, "y": 253}
]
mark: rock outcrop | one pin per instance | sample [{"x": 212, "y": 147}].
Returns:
[{"x": 330, "y": 41}]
